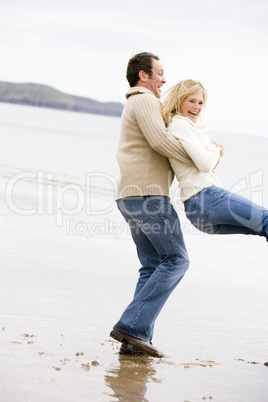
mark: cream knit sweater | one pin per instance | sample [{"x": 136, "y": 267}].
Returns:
[
  {"x": 195, "y": 139},
  {"x": 145, "y": 146}
]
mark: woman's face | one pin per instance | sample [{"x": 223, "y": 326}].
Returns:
[{"x": 192, "y": 106}]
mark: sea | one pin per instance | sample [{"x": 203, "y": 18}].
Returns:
[{"x": 68, "y": 147}]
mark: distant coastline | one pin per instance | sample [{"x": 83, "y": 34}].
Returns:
[{"x": 39, "y": 95}]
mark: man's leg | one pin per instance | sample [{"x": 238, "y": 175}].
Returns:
[
  {"x": 147, "y": 254},
  {"x": 149, "y": 260},
  {"x": 156, "y": 230}
]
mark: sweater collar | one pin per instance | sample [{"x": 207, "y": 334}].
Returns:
[
  {"x": 189, "y": 121},
  {"x": 138, "y": 90}
]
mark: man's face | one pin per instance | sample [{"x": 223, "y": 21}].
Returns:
[{"x": 155, "y": 82}]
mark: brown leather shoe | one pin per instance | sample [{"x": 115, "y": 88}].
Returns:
[
  {"x": 129, "y": 350},
  {"x": 140, "y": 344}
]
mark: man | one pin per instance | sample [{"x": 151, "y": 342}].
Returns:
[{"x": 143, "y": 200}]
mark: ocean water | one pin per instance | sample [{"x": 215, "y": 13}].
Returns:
[
  {"x": 68, "y": 146},
  {"x": 64, "y": 143}
]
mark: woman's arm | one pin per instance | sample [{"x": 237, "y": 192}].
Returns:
[{"x": 205, "y": 158}]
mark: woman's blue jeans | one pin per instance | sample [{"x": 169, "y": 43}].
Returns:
[
  {"x": 156, "y": 231},
  {"x": 217, "y": 211}
]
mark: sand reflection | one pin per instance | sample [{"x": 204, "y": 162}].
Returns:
[{"x": 128, "y": 379}]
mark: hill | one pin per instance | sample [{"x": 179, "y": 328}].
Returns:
[{"x": 46, "y": 96}]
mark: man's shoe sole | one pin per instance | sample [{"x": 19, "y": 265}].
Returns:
[{"x": 140, "y": 344}]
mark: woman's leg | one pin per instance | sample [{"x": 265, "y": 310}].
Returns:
[{"x": 217, "y": 211}]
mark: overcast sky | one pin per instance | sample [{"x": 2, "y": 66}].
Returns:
[{"x": 83, "y": 46}]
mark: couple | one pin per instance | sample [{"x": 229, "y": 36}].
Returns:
[{"x": 153, "y": 139}]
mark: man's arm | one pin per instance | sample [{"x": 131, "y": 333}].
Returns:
[{"x": 147, "y": 110}]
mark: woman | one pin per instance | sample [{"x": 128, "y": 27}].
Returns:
[{"x": 208, "y": 206}]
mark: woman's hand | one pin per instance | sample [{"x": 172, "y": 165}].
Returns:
[
  {"x": 213, "y": 170},
  {"x": 218, "y": 145}
]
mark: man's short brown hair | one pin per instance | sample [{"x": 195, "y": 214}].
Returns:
[{"x": 141, "y": 61}]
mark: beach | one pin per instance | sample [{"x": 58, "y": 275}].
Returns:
[{"x": 69, "y": 268}]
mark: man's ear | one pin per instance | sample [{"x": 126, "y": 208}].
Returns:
[{"x": 142, "y": 75}]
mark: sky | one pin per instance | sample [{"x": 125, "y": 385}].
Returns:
[{"x": 82, "y": 47}]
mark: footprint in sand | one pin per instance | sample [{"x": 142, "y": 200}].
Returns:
[
  {"x": 202, "y": 363},
  {"x": 56, "y": 368},
  {"x": 28, "y": 336},
  {"x": 86, "y": 367}
]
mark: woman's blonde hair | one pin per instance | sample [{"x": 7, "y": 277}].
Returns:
[{"x": 177, "y": 94}]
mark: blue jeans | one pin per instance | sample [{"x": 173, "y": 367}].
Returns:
[
  {"x": 156, "y": 231},
  {"x": 217, "y": 211}
]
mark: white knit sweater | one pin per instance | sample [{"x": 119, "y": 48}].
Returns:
[{"x": 195, "y": 139}]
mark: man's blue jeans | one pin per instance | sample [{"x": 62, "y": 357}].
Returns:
[
  {"x": 217, "y": 211},
  {"x": 156, "y": 231}
]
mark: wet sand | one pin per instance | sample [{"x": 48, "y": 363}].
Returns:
[{"x": 61, "y": 293}]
